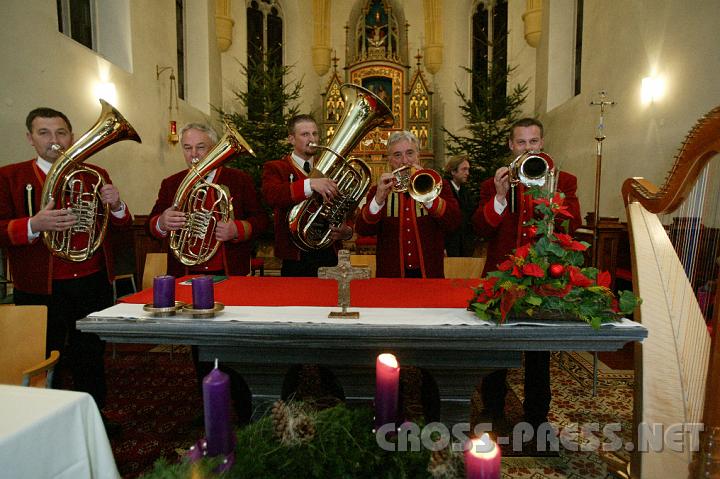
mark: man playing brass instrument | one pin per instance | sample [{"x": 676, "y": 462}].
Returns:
[
  {"x": 410, "y": 234},
  {"x": 506, "y": 230},
  {"x": 285, "y": 183},
  {"x": 233, "y": 255},
  {"x": 71, "y": 290}
]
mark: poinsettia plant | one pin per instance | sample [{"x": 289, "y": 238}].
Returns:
[{"x": 546, "y": 278}]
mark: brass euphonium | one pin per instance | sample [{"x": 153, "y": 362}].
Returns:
[
  {"x": 311, "y": 219},
  {"x": 195, "y": 242},
  {"x": 77, "y": 187}
]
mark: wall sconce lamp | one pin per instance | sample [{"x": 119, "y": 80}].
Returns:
[
  {"x": 652, "y": 89},
  {"x": 172, "y": 128}
]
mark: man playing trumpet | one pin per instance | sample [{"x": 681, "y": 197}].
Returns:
[
  {"x": 410, "y": 233},
  {"x": 506, "y": 229}
]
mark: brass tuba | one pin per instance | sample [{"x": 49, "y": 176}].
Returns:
[
  {"x": 195, "y": 242},
  {"x": 310, "y": 220},
  {"x": 77, "y": 187},
  {"x": 422, "y": 185}
]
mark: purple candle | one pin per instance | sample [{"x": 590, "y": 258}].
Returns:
[
  {"x": 482, "y": 459},
  {"x": 163, "y": 291},
  {"x": 216, "y": 399},
  {"x": 202, "y": 292},
  {"x": 387, "y": 377}
]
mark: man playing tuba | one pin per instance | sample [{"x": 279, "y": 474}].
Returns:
[
  {"x": 70, "y": 289},
  {"x": 287, "y": 182},
  {"x": 233, "y": 256}
]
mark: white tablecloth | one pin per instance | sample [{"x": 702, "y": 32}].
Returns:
[
  {"x": 319, "y": 315},
  {"x": 49, "y": 433}
]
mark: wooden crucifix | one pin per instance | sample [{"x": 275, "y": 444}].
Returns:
[{"x": 344, "y": 272}]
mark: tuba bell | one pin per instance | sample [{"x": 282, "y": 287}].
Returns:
[
  {"x": 77, "y": 187},
  {"x": 195, "y": 242},
  {"x": 311, "y": 219},
  {"x": 422, "y": 184}
]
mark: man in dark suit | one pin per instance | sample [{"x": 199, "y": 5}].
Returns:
[
  {"x": 71, "y": 290},
  {"x": 461, "y": 242},
  {"x": 506, "y": 230}
]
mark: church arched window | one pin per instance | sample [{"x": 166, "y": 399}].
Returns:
[
  {"x": 264, "y": 43},
  {"x": 489, "y": 48}
]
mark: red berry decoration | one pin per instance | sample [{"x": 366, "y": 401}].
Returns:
[{"x": 557, "y": 270}]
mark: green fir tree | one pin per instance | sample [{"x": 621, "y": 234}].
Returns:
[
  {"x": 489, "y": 114},
  {"x": 269, "y": 102}
]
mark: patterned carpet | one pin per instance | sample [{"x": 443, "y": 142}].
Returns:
[{"x": 153, "y": 395}]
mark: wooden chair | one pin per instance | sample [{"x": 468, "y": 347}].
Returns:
[
  {"x": 463, "y": 267},
  {"x": 22, "y": 346},
  {"x": 364, "y": 260},
  {"x": 155, "y": 265}
]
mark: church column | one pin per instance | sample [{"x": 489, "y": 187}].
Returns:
[
  {"x": 223, "y": 24},
  {"x": 321, "y": 36},
  {"x": 433, "y": 35}
]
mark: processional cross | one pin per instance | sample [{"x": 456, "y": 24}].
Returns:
[
  {"x": 344, "y": 272},
  {"x": 599, "y": 137}
]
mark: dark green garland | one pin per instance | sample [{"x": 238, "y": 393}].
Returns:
[{"x": 344, "y": 447}]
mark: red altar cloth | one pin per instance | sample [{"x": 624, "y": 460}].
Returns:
[{"x": 368, "y": 293}]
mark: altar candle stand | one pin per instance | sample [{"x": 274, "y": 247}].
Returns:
[
  {"x": 216, "y": 400},
  {"x": 202, "y": 292},
  {"x": 482, "y": 459},
  {"x": 387, "y": 377},
  {"x": 163, "y": 291}
]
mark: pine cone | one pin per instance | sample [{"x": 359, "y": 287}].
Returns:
[
  {"x": 446, "y": 464},
  {"x": 280, "y": 419}
]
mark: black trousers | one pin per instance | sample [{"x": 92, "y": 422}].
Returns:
[
  {"x": 537, "y": 388},
  {"x": 309, "y": 262},
  {"x": 74, "y": 299}
]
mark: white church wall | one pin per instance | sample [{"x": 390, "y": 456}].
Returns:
[
  {"x": 43, "y": 67},
  {"x": 623, "y": 43}
]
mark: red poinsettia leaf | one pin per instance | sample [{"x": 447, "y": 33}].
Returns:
[
  {"x": 506, "y": 265},
  {"x": 508, "y": 300},
  {"x": 523, "y": 251},
  {"x": 579, "y": 279},
  {"x": 516, "y": 272},
  {"x": 603, "y": 279},
  {"x": 532, "y": 269}
]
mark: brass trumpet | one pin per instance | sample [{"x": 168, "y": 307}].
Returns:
[
  {"x": 77, "y": 187},
  {"x": 531, "y": 169},
  {"x": 422, "y": 184}
]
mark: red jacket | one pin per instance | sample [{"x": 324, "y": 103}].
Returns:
[
  {"x": 235, "y": 254},
  {"x": 283, "y": 188},
  {"x": 504, "y": 232},
  {"x": 31, "y": 263},
  {"x": 431, "y": 227}
]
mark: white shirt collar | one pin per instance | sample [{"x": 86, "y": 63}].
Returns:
[
  {"x": 44, "y": 165},
  {"x": 455, "y": 185},
  {"x": 299, "y": 161}
]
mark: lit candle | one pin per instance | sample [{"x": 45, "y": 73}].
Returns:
[
  {"x": 202, "y": 292},
  {"x": 387, "y": 377},
  {"x": 482, "y": 459},
  {"x": 163, "y": 291},
  {"x": 216, "y": 400}
]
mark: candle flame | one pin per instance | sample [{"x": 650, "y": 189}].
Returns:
[
  {"x": 484, "y": 447},
  {"x": 388, "y": 360}
]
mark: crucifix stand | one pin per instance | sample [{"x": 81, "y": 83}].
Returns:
[
  {"x": 599, "y": 137},
  {"x": 344, "y": 272}
]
